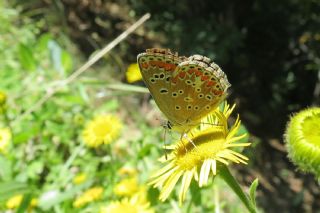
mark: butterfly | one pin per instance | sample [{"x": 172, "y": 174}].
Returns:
[{"x": 185, "y": 89}]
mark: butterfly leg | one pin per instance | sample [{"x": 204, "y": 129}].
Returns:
[{"x": 185, "y": 136}]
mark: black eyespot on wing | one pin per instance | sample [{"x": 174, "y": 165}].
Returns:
[
  {"x": 196, "y": 107},
  {"x": 174, "y": 94},
  {"x": 200, "y": 95},
  {"x": 168, "y": 79},
  {"x": 163, "y": 91},
  {"x": 156, "y": 76},
  {"x": 189, "y": 107},
  {"x": 152, "y": 80},
  {"x": 180, "y": 91},
  {"x": 209, "y": 97},
  {"x": 161, "y": 75},
  {"x": 177, "y": 107}
]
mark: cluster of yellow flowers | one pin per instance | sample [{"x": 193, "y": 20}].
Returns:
[
  {"x": 134, "y": 196},
  {"x": 88, "y": 196},
  {"x": 15, "y": 201}
]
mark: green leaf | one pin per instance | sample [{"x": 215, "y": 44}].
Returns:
[
  {"x": 5, "y": 169},
  {"x": 234, "y": 185},
  {"x": 9, "y": 189},
  {"x": 55, "y": 54},
  {"x": 26, "y": 58},
  {"x": 66, "y": 62},
  {"x": 252, "y": 191},
  {"x": 24, "y": 204},
  {"x": 42, "y": 44}
]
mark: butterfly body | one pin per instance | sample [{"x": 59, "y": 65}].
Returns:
[{"x": 185, "y": 89}]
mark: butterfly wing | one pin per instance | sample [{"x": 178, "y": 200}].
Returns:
[
  {"x": 156, "y": 66},
  {"x": 200, "y": 86}
]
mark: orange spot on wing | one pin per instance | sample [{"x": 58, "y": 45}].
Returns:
[
  {"x": 153, "y": 63},
  {"x": 167, "y": 67},
  {"x": 191, "y": 71},
  {"x": 217, "y": 92},
  {"x": 173, "y": 67},
  {"x": 161, "y": 64},
  {"x": 211, "y": 83},
  {"x": 182, "y": 75},
  {"x": 145, "y": 65},
  {"x": 204, "y": 78},
  {"x": 175, "y": 80},
  {"x": 198, "y": 73}
]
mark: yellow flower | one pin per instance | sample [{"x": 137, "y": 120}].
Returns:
[
  {"x": 199, "y": 153},
  {"x": 3, "y": 98},
  {"x": 102, "y": 129},
  {"x": 304, "y": 38},
  {"x": 133, "y": 73},
  {"x": 132, "y": 205},
  {"x": 127, "y": 171},
  {"x": 5, "y": 137},
  {"x": 126, "y": 187},
  {"x": 15, "y": 201},
  {"x": 80, "y": 178},
  {"x": 88, "y": 196}
]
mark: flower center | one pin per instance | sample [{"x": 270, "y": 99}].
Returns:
[
  {"x": 206, "y": 145},
  {"x": 311, "y": 128},
  {"x": 101, "y": 130}
]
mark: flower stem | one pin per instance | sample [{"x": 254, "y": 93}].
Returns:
[{"x": 234, "y": 185}]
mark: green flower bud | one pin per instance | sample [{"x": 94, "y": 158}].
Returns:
[{"x": 303, "y": 140}]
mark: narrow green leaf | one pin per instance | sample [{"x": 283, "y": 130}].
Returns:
[
  {"x": 252, "y": 191},
  {"x": 66, "y": 62},
  {"x": 234, "y": 185},
  {"x": 26, "y": 58},
  {"x": 24, "y": 204},
  {"x": 9, "y": 189},
  {"x": 5, "y": 169}
]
